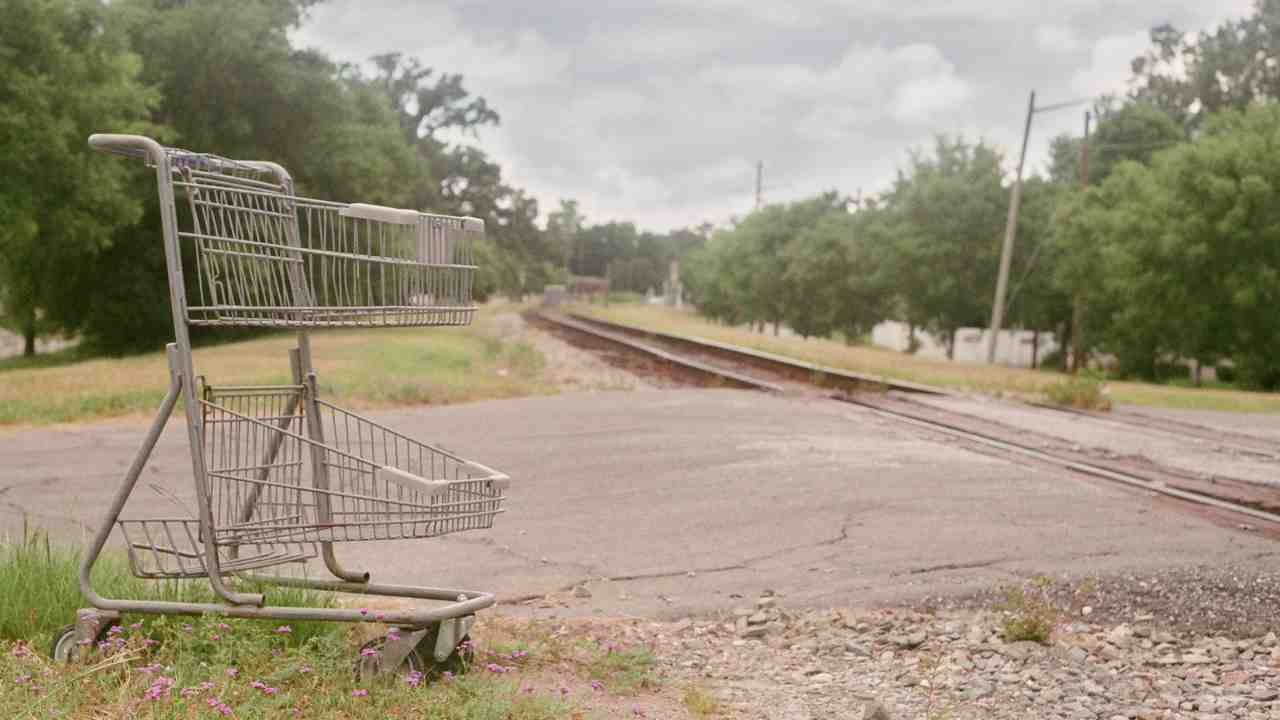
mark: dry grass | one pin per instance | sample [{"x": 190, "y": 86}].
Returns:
[
  {"x": 879, "y": 361},
  {"x": 358, "y": 368}
]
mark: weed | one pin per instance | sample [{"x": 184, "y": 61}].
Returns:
[
  {"x": 1087, "y": 391},
  {"x": 622, "y": 670},
  {"x": 1028, "y": 612},
  {"x": 699, "y": 702}
]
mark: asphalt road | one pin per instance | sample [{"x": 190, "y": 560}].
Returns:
[{"x": 688, "y": 498}]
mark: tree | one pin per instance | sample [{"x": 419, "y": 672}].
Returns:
[
  {"x": 1232, "y": 66},
  {"x": 1133, "y": 131},
  {"x": 1187, "y": 258},
  {"x": 65, "y": 71},
  {"x": 946, "y": 212},
  {"x": 835, "y": 271}
]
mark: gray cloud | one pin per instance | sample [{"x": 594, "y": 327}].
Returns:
[{"x": 657, "y": 112}]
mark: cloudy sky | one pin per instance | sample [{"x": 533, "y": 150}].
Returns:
[{"x": 658, "y": 111}]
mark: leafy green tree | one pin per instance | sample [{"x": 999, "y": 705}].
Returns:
[
  {"x": 1231, "y": 66},
  {"x": 946, "y": 212},
  {"x": 1036, "y": 301},
  {"x": 1187, "y": 258},
  {"x": 65, "y": 71},
  {"x": 1132, "y": 131},
  {"x": 835, "y": 269}
]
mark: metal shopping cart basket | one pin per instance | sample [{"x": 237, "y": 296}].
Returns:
[{"x": 280, "y": 475}]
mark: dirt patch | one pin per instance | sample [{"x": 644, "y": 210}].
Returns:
[{"x": 568, "y": 367}]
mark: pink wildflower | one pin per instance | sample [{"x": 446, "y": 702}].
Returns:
[
  {"x": 284, "y": 629},
  {"x": 232, "y": 672},
  {"x": 413, "y": 678},
  {"x": 366, "y": 652},
  {"x": 496, "y": 668},
  {"x": 359, "y": 692},
  {"x": 597, "y": 685},
  {"x": 364, "y": 611}
]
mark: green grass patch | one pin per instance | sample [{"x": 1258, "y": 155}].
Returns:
[
  {"x": 40, "y": 590},
  {"x": 624, "y": 670},
  {"x": 356, "y": 368},
  {"x": 171, "y": 667}
]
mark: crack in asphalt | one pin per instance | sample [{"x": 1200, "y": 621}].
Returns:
[
  {"x": 951, "y": 566},
  {"x": 743, "y": 565}
]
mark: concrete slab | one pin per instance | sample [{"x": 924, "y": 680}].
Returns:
[
  {"x": 1162, "y": 446},
  {"x": 1263, "y": 425},
  {"x": 688, "y": 498}
]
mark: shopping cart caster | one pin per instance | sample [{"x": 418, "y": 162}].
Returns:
[
  {"x": 428, "y": 652},
  {"x": 69, "y": 642}
]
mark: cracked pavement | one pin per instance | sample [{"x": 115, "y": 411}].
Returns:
[{"x": 669, "y": 502}]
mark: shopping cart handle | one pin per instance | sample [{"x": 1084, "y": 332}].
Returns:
[
  {"x": 380, "y": 213},
  {"x": 412, "y": 482},
  {"x": 134, "y": 145}
]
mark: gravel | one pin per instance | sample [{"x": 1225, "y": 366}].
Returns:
[{"x": 1121, "y": 661}]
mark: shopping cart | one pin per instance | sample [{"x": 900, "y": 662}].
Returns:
[{"x": 281, "y": 476}]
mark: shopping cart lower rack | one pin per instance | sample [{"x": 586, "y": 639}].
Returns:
[{"x": 280, "y": 475}]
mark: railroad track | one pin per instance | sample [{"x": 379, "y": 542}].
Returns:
[{"x": 890, "y": 399}]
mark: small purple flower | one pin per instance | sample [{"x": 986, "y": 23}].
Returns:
[
  {"x": 518, "y": 654},
  {"x": 364, "y": 611},
  {"x": 304, "y": 669},
  {"x": 496, "y": 668},
  {"x": 20, "y": 649},
  {"x": 115, "y": 630},
  {"x": 413, "y": 678},
  {"x": 380, "y": 616},
  {"x": 446, "y": 676},
  {"x": 206, "y": 685},
  {"x": 149, "y": 641},
  {"x": 284, "y": 629},
  {"x": 22, "y": 679},
  {"x": 223, "y": 626},
  {"x": 225, "y": 709},
  {"x": 269, "y": 691},
  {"x": 232, "y": 672},
  {"x": 367, "y": 652},
  {"x": 136, "y": 626},
  {"x": 359, "y": 692},
  {"x": 257, "y": 684},
  {"x": 597, "y": 685},
  {"x": 391, "y": 636}
]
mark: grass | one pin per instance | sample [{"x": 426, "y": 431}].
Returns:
[
  {"x": 1086, "y": 391},
  {"x": 167, "y": 668},
  {"x": 699, "y": 702},
  {"x": 357, "y": 368},
  {"x": 1027, "y": 612},
  {"x": 888, "y": 363}
]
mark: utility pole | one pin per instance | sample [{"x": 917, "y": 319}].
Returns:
[
  {"x": 1077, "y": 305},
  {"x": 1010, "y": 228},
  {"x": 759, "y": 182}
]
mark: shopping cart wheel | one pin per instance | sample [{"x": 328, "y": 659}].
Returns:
[
  {"x": 66, "y": 647},
  {"x": 420, "y": 659}
]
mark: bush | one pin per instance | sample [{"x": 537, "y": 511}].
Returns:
[
  {"x": 1029, "y": 614},
  {"x": 1086, "y": 390}
]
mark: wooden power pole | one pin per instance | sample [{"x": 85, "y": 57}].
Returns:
[
  {"x": 1010, "y": 228},
  {"x": 1077, "y": 304}
]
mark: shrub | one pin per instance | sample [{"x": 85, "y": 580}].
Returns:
[
  {"x": 1029, "y": 614},
  {"x": 1086, "y": 390}
]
